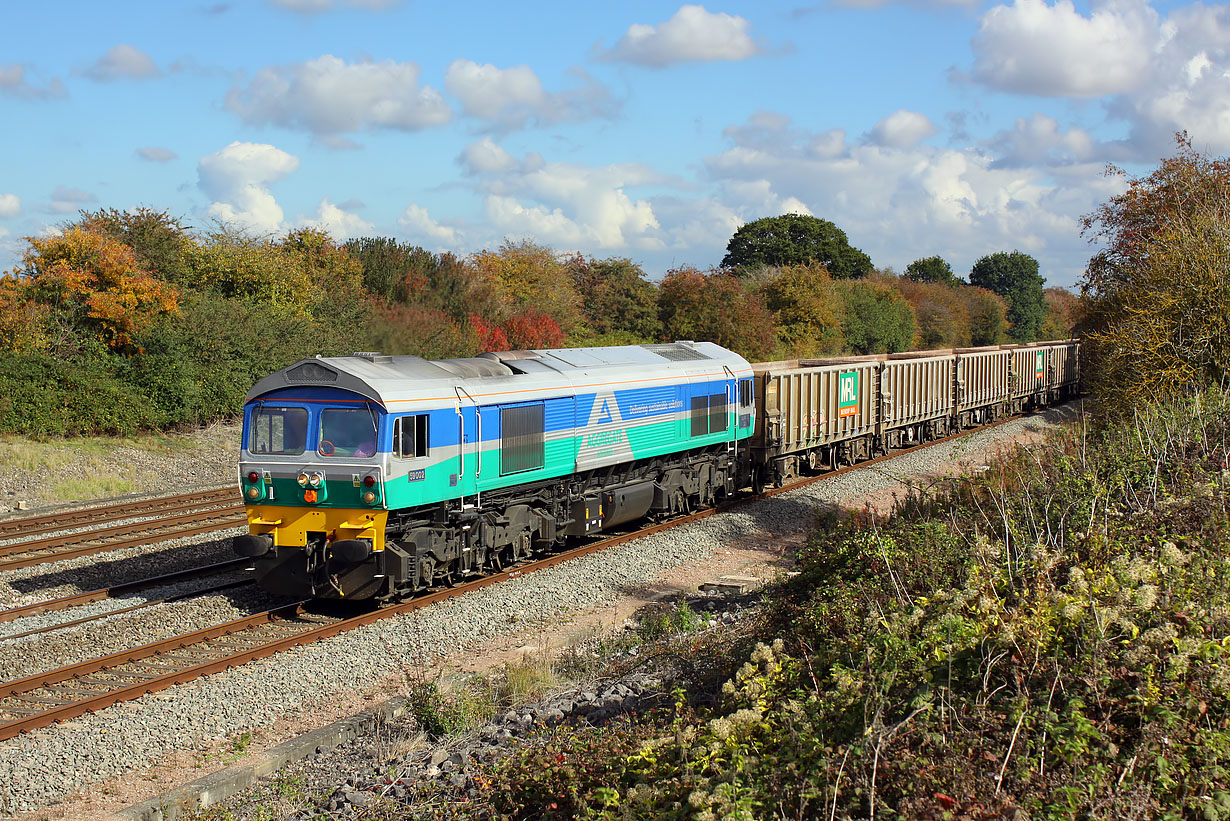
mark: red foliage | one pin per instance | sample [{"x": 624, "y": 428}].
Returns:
[
  {"x": 530, "y": 328},
  {"x": 490, "y": 337}
]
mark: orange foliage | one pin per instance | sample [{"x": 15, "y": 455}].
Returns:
[
  {"x": 98, "y": 277},
  {"x": 528, "y": 329},
  {"x": 22, "y": 319},
  {"x": 490, "y": 336}
]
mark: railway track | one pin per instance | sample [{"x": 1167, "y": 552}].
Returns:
[
  {"x": 170, "y": 517},
  {"x": 68, "y": 692}
]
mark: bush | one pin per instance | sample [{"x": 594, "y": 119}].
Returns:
[{"x": 41, "y": 396}]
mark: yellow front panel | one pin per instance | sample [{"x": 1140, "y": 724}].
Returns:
[{"x": 289, "y": 526}]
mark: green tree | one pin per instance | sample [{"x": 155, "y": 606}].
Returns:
[
  {"x": 988, "y": 316},
  {"x": 931, "y": 269},
  {"x": 387, "y": 264},
  {"x": 875, "y": 317},
  {"x": 794, "y": 239},
  {"x": 619, "y": 303},
  {"x": 1015, "y": 277}
]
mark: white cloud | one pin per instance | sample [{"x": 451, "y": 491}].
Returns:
[
  {"x": 691, "y": 35},
  {"x": 338, "y": 223},
  {"x": 328, "y": 96},
  {"x": 902, "y": 129},
  {"x": 155, "y": 153},
  {"x": 566, "y": 203},
  {"x": 237, "y": 179},
  {"x": 486, "y": 157},
  {"x": 1039, "y": 140},
  {"x": 512, "y": 97},
  {"x": 902, "y": 203},
  {"x": 122, "y": 62},
  {"x": 10, "y": 205},
  {"x": 1054, "y": 51},
  {"x": 66, "y": 200},
  {"x": 419, "y": 224},
  {"x": 318, "y": 6},
  {"x": 13, "y": 82}
]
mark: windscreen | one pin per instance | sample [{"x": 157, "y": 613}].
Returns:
[
  {"x": 279, "y": 431},
  {"x": 347, "y": 432}
]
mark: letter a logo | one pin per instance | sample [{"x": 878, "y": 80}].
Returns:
[{"x": 604, "y": 414}]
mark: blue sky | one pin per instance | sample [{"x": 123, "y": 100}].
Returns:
[{"x": 643, "y": 130}]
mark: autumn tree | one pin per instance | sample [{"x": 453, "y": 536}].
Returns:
[
  {"x": 1015, "y": 277},
  {"x": 98, "y": 282},
  {"x": 1156, "y": 297},
  {"x": 941, "y": 311},
  {"x": 620, "y": 305},
  {"x": 1062, "y": 313},
  {"x": 715, "y": 306},
  {"x": 931, "y": 269},
  {"x": 159, "y": 241},
  {"x": 527, "y": 275},
  {"x": 805, "y": 309},
  {"x": 795, "y": 239}
]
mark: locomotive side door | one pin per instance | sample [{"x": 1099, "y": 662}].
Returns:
[{"x": 469, "y": 431}]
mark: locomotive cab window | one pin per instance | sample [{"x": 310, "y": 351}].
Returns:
[
  {"x": 410, "y": 436},
  {"x": 278, "y": 431},
  {"x": 745, "y": 393},
  {"x": 521, "y": 438},
  {"x": 347, "y": 432}
]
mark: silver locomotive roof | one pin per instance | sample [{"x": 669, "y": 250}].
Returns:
[{"x": 385, "y": 379}]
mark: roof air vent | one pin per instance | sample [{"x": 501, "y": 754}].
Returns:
[
  {"x": 373, "y": 356},
  {"x": 311, "y": 372},
  {"x": 676, "y": 352}
]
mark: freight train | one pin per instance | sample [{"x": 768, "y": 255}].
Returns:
[{"x": 373, "y": 477}]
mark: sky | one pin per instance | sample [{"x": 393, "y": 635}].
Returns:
[{"x": 644, "y": 130}]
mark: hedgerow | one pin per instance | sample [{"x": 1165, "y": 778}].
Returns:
[{"x": 1050, "y": 639}]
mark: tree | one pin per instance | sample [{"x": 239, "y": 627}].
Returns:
[
  {"x": 1156, "y": 298},
  {"x": 98, "y": 282},
  {"x": 387, "y": 264},
  {"x": 617, "y": 299},
  {"x": 715, "y": 307},
  {"x": 875, "y": 317},
  {"x": 159, "y": 240},
  {"x": 805, "y": 313},
  {"x": 794, "y": 239},
  {"x": 941, "y": 311},
  {"x": 1062, "y": 313},
  {"x": 988, "y": 316},
  {"x": 527, "y": 275},
  {"x": 1015, "y": 277},
  {"x": 931, "y": 269}
]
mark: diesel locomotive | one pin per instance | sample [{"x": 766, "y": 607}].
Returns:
[{"x": 372, "y": 476}]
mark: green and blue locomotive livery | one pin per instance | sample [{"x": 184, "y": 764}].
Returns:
[{"x": 371, "y": 476}]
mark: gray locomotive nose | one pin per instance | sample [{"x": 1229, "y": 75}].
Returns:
[{"x": 252, "y": 547}]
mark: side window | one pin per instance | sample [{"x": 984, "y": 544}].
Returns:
[
  {"x": 521, "y": 438},
  {"x": 718, "y": 419},
  {"x": 745, "y": 393},
  {"x": 410, "y": 436},
  {"x": 709, "y": 414}
]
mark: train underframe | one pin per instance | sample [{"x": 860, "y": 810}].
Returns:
[{"x": 441, "y": 544}]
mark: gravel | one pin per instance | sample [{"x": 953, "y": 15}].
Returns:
[{"x": 45, "y": 766}]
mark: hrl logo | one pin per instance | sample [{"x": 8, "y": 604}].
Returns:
[
  {"x": 1040, "y": 368},
  {"x": 847, "y": 394}
]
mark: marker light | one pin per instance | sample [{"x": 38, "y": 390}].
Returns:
[
  {"x": 253, "y": 477},
  {"x": 315, "y": 479},
  {"x": 369, "y": 481},
  {"x": 369, "y": 497},
  {"x": 309, "y": 496},
  {"x": 254, "y": 493},
  {"x": 302, "y": 479}
]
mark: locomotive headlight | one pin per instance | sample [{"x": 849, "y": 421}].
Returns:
[
  {"x": 302, "y": 479},
  {"x": 254, "y": 493},
  {"x": 315, "y": 479},
  {"x": 253, "y": 477},
  {"x": 369, "y": 497}
]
